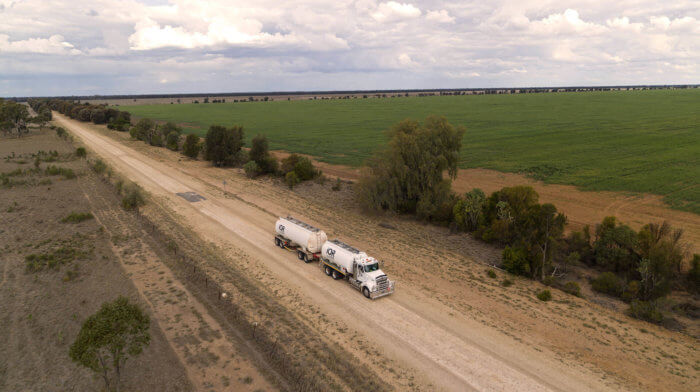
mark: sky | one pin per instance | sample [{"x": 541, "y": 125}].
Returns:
[{"x": 106, "y": 47}]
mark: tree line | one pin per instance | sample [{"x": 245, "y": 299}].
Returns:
[
  {"x": 98, "y": 114},
  {"x": 413, "y": 173}
]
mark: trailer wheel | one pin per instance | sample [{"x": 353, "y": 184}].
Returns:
[
  {"x": 336, "y": 275},
  {"x": 328, "y": 271},
  {"x": 300, "y": 255},
  {"x": 277, "y": 242},
  {"x": 365, "y": 291}
]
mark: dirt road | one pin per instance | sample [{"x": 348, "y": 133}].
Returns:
[{"x": 453, "y": 353}]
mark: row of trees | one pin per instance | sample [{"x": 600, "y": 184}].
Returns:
[
  {"x": 98, "y": 114},
  {"x": 412, "y": 175},
  {"x": 13, "y": 117}
]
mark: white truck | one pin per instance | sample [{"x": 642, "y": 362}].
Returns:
[{"x": 337, "y": 259}]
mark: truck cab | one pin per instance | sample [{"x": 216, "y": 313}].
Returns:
[{"x": 370, "y": 279}]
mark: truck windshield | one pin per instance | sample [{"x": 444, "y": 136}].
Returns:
[{"x": 371, "y": 267}]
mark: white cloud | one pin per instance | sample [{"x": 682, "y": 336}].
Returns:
[
  {"x": 568, "y": 22},
  {"x": 55, "y": 44},
  {"x": 393, "y": 11},
  {"x": 441, "y": 16}
]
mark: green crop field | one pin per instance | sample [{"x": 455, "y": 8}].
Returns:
[{"x": 636, "y": 141}]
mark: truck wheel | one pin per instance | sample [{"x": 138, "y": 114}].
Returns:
[
  {"x": 336, "y": 275},
  {"x": 328, "y": 271},
  {"x": 300, "y": 255},
  {"x": 277, "y": 242},
  {"x": 365, "y": 291}
]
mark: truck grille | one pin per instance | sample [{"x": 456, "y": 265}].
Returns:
[{"x": 382, "y": 283}]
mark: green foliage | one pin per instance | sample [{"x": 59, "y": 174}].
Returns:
[
  {"x": 52, "y": 170},
  {"x": 53, "y": 259},
  {"x": 694, "y": 274},
  {"x": 192, "y": 146},
  {"x": 251, "y": 169},
  {"x": 80, "y": 152},
  {"x": 61, "y": 132},
  {"x": 172, "y": 141},
  {"x": 260, "y": 154},
  {"x": 223, "y": 145},
  {"x": 407, "y": 175},
  {"x": 608, "y": 283},
  {"x": 544, "y": 295},
  {"x": 593, "y": 140},
  {"x": 515, "y": 261},
  {"x": 301, "y": 166},
  {"x": 132, "y": 197},
  {"x": 77, "y": 217},
  {"x": 108, "y": 338},
  {"x": 491, "y": 273},
  {"x": 13, "y": 117},
  {"x": 631, "y": 291},
  {"x": 572, "y": 288},
  {"x": 337, "y": 185},
  {"x": 291, "y": 179},
  {"x": 468, "y": 211},
  {"x": 506, "y": 282},
  {"x": 614, "y": 246},
  {"x": 99, "y": 166},
  {"x": 646, "y": 310}
]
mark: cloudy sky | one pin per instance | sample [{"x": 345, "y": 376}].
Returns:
[{"x": 157, "y": 46}]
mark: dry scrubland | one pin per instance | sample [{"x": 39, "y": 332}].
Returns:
[
  {"x": 454, "y": 288},
  {"x": 92, "y": 259}
]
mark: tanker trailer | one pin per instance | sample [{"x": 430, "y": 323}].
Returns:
[
  {"x": 296, "y": 235},
  {"x": 341, "y": 261}
]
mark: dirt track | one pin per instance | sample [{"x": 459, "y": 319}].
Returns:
[{"x": 449, "y": 350}]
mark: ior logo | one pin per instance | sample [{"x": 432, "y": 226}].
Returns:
[
  {"x": 282, "y": 228},
  {"x": 330, "y": 252}
]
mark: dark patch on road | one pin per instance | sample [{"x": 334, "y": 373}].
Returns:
[{"x": 192, "y": 197}]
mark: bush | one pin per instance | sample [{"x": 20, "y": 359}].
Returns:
[
  {"x": 99, "y": 166},
  {"x": 133, "y": 197},
  {"x": 77, "y": 217},
  {"x": 251, "y": 169},
  {"x": 608, "y": 283},
  {"x": 291, "y": 179},
  {"x": 506, "y": 282},
  {"x": 549, "y": 280},
  {"x": 301, "y": 166},
  {"x": 192, "y": 146},
  {"x": 337, "y": 185},
  {"x": 515, "y": 261},
  {"x": 694, "y": 274},
  {"x": 80, "y": 152},
  {"x": 491, "y": 273},
  {"x": 544, "y": 295},
  {"x": 223, "y": 145},
  {"x": 172, "y": 141},
  {"x": 61, "y": 132},
  {"x": 631, "y": 291},
  {"x": 645, "y": 310},
  {"x": 52, "y": 170},
  {"x": 572, "y": 288}
]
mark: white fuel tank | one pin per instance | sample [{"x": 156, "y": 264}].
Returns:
[{"x": 310, "y": 238}]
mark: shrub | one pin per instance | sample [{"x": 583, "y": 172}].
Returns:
[
  {"x": 631, "y": 291},
  {"x": 80, "y": 152},
  {"x": 192, "y": 146},
  {"x": 544, "y": 295},
  {"x": 506, "y": 282},
  {"x": 291, "y": 179},
  {"x": 133, "y": 197},
  {"x": 572, "y": 288},
  {"x": 491, "y": 273},
  {"x": 548, "y": 280},
  {"x": 52, "y": 170},
  {"x": 301, "y": 166},
  {"x": 337, "y": 185},
  {"x": 251, "y": 169},
  {"x": 99, "y": 166},
  {"x": 223, "y": 145},
  {"x": 77, "y": 217},
  {"x": 172, "y": 141},
  {"x": 694, "y": 274},
  {"x": 61, "y": 132},
  {"x": 608, "y": 283},
  {"x": 645, "y": 310},
  {"x": 515, "y": 261}
]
